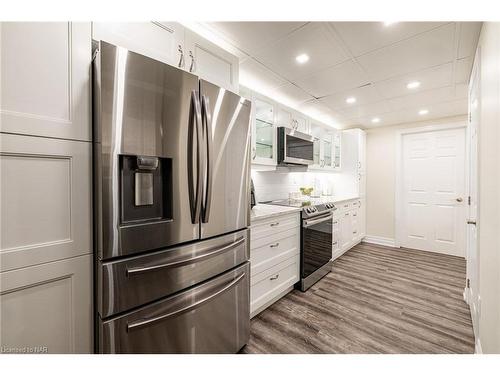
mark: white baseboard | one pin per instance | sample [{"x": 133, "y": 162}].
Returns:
[
  {"x": 478, "y": 349},
  {"x": 384, "y": 241}
]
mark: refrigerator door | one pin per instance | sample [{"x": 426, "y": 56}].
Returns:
[
  {"x": 211, "y": 317},
  {"x": 135, "y": 281},
  {"x": 147, "y": 129},
  {"x": 226, "y": 134}
]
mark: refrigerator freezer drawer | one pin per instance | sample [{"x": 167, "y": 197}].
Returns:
[
  {"x": 213, "y": 317},
  {"x": 126, "y": 284}
]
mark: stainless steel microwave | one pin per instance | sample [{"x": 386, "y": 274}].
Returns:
[{"x": 294, "y": 147}]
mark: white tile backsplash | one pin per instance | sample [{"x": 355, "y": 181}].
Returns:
[{"x": 272, "y": 185}]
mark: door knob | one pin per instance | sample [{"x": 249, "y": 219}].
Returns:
[{"x": 459, "y": 200}]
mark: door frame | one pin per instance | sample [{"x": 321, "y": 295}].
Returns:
[{"x": 398, "y": 204}]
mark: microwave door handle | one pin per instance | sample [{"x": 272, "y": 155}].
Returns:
[
  {"x": 140, "y": 323},
  {"x": 207, "y": 128},
  {"x": 194, "y": 132}
]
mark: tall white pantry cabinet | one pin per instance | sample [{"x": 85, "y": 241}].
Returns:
[{"x": 46, "y": 210}]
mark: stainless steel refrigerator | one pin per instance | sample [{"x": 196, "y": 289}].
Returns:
[{"x": 171, "y": 177}]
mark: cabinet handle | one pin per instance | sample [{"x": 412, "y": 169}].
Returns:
[
  {"x": 275, "y": 245},
  {"x": 354, "y": 214},
  {"x": 334, "y": 243},
  {"x": 355, "y": 232},
  {"x": 192, "y": 67},
  {"x": 347, "y": 214},
  {"x": 335, "y": 222},
  {"x": 254, "y": 153},
  {"x": 181, "y": 59},
  {"x": 275, "y": 224},
  {"x": 346, "y": 205},
  {"x": 274, "y": 277},
  {"x": 359, "y": 164}
]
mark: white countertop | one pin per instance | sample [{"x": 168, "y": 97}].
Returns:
[{"x": 265, "y": 211}]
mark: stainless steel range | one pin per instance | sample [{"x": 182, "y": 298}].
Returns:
[
  {"x": 171, "y": 177},
  {"x": 316, "y": 238}
]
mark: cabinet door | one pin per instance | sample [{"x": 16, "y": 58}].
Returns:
[
  {"x": 45, "y": 195},
  {"x": 45, "y": 85},
  {"x": 362, "y": 151},
  {"x": 301, "y": 123},
  {"x": 284, "y": 117},
  {"x": 328, "y": 152},
  {"x": 163, "y": 41},
  {"x": 337, "y": 148},
  {"x": 48, "y": 308},
  {"x": 346, "y": 230},
  {"x": 355, "y": 225},
  {"x": 337, "y": 237},
  {"x": 211, "y": 62},
  {"x": 264, "y": 133}
]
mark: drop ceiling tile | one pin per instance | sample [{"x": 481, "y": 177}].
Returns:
[
  {"x": 463, "y": 69},
  {"x": 363, "y": 37},
  {"x": 432, "y": 78},
  {"x": 364, "y": 95},
  {"x": 368, "y": 110},
  {"x": 423, "y": 98},
  {"x": 253, "y": 36},
  {"x": 333, "y": 80},
  {"x": 289, "y": 94},
  {"x": 426, "y": 50},
  {"x": 254, "y": 74},
  {"x": 315, "y": 39},
  {"x": 469, "y": 36}
]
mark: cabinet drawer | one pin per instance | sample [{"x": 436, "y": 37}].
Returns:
[
  {"x": 276, "y": 249},
  {"x": 266, "y": 285},
  {"x": 344, "y": 206},
  {"x": 268, "y": 227}
]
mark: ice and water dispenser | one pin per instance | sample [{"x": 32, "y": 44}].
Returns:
[{"x": 146, "y": 188}]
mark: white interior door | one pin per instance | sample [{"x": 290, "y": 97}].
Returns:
[
  {"x": 472, "y": 248},
  {"x": 433, "y": 176}
]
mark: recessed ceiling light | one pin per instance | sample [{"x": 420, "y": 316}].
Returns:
[
  {"x": 350, "y": 100},
  {"x": 413, "y": 85},
  {"x": 389, "y": 23},
  {"x": 302, "y": 58},
  {"x": 423, "y": 112},
  {"x": 375, "y": 120}
]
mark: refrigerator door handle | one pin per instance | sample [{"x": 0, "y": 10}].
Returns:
[
  {"x": 207, "y": 129},
  {"x": 195, "y": 124},
  {"x": 140, "y": 323}
]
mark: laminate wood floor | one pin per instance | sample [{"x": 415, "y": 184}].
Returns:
[{"x": 376, "y": 300}]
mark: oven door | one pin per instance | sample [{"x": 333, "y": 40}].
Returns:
[
  {"x": 317, "y": 238},
  {"x": 295, "y": 147}
]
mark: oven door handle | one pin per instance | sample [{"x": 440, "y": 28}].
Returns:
[{"x": 308, "y": 223}]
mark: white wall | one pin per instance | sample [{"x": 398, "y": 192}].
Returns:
[
  {"x": 381, "y": 175},
  {"x": 489, "y": 189},
  {"x": 273, "y": 185}
]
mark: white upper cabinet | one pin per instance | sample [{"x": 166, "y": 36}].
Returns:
[
  {"x": 45, "y": 85},
  {"x": 163, "y": 41},
  {"x": 264, "y": 133},
  {"x": 211, "y": 62},
  {"x": 175, "y": 45},
  {"x": 327, "y": 146},
  {"x": 289, "y": 118}
]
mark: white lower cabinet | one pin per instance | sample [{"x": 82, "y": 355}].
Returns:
[
  {"x": 348, "y": 226},
  {"x": 48, "y": 308},
  {"x": 274, "y": 259}
]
